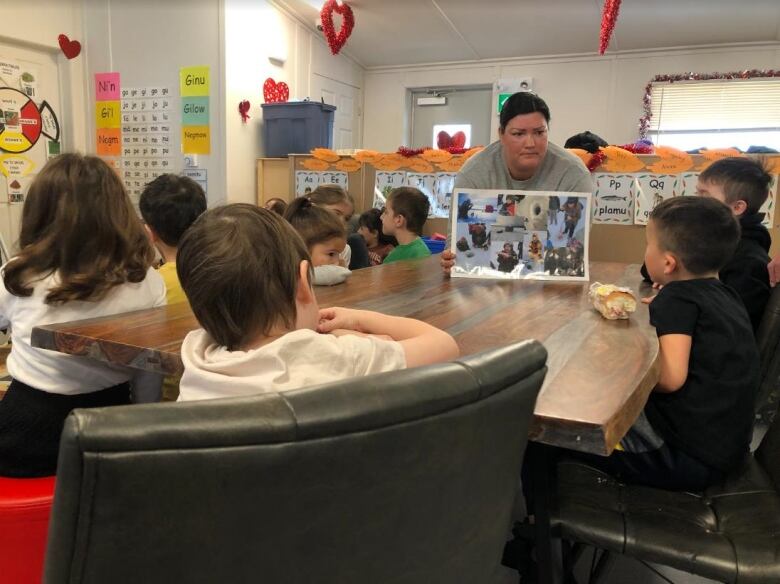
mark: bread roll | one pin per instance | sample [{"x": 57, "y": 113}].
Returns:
[{"x": 613, "y": 302}]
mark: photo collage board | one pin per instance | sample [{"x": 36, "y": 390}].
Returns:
[
  {"x": 628, "y": 199},
  {"x": 507, "y": 234}
]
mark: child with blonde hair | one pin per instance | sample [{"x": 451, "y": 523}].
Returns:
[{"x": 83, "y": 254}]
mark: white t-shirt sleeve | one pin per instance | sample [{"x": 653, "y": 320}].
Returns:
[
  {"x": 346, "y": 255},
  {"x": 369, "y": 355}
]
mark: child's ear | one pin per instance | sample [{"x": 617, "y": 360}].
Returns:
[
  {"x": 399, "y": 221},
  {"x": 738, "y": 207},
  {"x": 305, "y": 293},
  {"x": 671, "y": 263},
  {"x": 150, "y": 233}
]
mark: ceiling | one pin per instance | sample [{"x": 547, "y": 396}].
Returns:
[{"x": 405, "y": 32}]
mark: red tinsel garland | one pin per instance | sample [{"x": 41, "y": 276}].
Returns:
[
  {"x": 638, "y": 148},
  {"x": 609, "y": 16},
  {"x": 410, "y": 152},
  {"x": 644, "y": 121},
  {"x": 596, "y": 160}
]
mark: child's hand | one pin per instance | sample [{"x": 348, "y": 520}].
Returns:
[
  {"x": 344, "y": 332},
  {"x": 332, "y": 319},
  {"x": 648, "y": 299},
  {"x": 657, "y": 286},
  {"x": 447, "y": 261}
]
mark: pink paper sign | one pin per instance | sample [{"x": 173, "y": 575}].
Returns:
[{"x": 106, "y": 86}]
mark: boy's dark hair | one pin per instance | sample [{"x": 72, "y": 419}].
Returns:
[
  {"x": 742, "y": 179},
  {"x": 239, "y": 267},
  {"x": 313, "y": 223},
  {"x": 372, "y": 220},
  {"x": 702, "y": 232},
  {"x": 169, "y": 204},
  {"x": 79, "y": 222},
  {"x": 412, "y": 205},
  {"x": 520, "y": 103}
]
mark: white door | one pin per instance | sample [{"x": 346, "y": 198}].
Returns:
[
  {"x": 29, "y": 121},
  {"x": 346, "y": 98}
]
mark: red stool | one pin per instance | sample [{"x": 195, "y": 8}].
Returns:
[{"x": 25, "y": 506}]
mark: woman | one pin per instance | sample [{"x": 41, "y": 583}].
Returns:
[{"x": 522, "y": 158}]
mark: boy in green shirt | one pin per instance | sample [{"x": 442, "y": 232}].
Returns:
[{"x": 405, "y": 214}]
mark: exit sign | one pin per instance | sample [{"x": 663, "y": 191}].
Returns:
[{"x": 502, "y": 97}]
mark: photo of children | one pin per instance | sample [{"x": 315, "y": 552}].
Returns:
[{"x": 499, "y": 234}]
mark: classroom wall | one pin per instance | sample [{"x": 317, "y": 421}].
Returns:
[
  {"x": 37, "y": 24},
  {"x": 601, "y": 94},
  {"x": 261, "y": 41}
]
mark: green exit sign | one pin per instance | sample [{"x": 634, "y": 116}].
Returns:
[{"x": 502, "y": 97}]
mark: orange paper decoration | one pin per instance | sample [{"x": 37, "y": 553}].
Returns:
[
  {"x": 419, "y": 165},
  {"x": 672, "y": 161},
  {"x": 388, "y": 163},
  {"x": 711, "y": 156},
  {"x": 472, "y": 151},
  {"x": 315, "y": 164},
  {"x": 368, "y": 156},
  {"x": 583, "y": 155},
  {"x": 436, "y": 156},
  {"x": 325, "y": 154},
  {"x": 349, "y": 165},
  {"x": 454, "y": 164},
  {"x": 620, "y": 160}
]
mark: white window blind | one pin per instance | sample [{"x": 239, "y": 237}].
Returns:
[{"x": 722, "y": 105}]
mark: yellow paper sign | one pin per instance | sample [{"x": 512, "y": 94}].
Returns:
[
  {"x": 107, "y": 114},
  {"x": 194, "y": 81},
  {"x": 15, "y": 165},
  {"x": 620, "y": 160},
  {"x": 672, "y": 161},
  {"x": 195, "y": 140}
]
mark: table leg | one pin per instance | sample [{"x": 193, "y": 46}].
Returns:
[{"x": 544, "y": 472}]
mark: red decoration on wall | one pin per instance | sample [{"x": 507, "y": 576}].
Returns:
[
  {"x": 609, "y": 16},
  {"x": 644, "y": 121},
  {"x": 444, "y": 141},
  {"x": 274, "y": 92},
  {"x": 71, "y": 49},
  {"x": 410, "y": 152},
  {"x": 243, "y": 109},
  {"x": 596, "y": 160},
  {"x": 336, "y": 41}
]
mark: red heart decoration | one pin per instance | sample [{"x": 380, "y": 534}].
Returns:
[
  {"x": 71, "y": 49},
  {"x": 243, "y": 109},
  {"x": 274, "y": 92},
  {"x": 336, "y": 42},
  {"x": 458, "y": 140},
  {"x": 443, "y": 140}
]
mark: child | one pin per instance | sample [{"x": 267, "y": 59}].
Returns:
[
  {"x": 743, "y": 185},
  {"x": 169, "y": 204},
  {"x": 379, "y": 244},
  {"x": 322, "y": 231},
  {"x": 335, "y": 199},
  {"x": 507, "y": 258},
  {"x": 247, "y": 276},
  {"x": 572, "y": 211},
  {"x": 276, "y": 205},
  {"x": 405, "y": 213},
  {"x": 83, "y": 254}
]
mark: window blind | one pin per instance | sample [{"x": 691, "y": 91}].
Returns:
[{"x": 732, "y": 104}]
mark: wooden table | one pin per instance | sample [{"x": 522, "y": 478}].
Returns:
[{"x": 600, "y": 372}]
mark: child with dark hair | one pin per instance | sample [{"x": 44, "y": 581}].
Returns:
[
  {"x": 379, "y": 244},
  {"x": 406, "y": 211},
  {"x": 83, "y": 254},
  {"x": 742, "y": 184},
  {"x": 572, "y": 211},
  {"x": 169, "y": 204},
  {"x": 507, "y": 258},
  {"x": 336, "y": 199},
  {"x": 247, "y": 275},
  {"x": 325, "y": 237}
]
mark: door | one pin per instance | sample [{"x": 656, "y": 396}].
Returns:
[
  {"x": 347, "y": 99},
  {"x": 30, "y": 128},
  {"x": 465, "y": 110}
]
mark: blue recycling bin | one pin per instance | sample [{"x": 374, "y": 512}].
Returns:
[{"x": 295, "y": 127}]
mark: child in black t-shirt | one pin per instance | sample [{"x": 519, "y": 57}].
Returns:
[
  {"x": 697, "y": 424},
  {"x": 742, "y": 184}
]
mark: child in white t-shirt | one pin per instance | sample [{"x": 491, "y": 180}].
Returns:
[
  {"x": 83, "y": 254},
  {"x": 247, "y": 275}
]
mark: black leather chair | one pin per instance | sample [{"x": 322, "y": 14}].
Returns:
[
  {"x": 404, "y": 477},
  {"x": 729, "y": 533}
]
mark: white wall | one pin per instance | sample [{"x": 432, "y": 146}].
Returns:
[
  {"x": 601, "y": 94},
  {"x": 256, "y": 30},
  {"x": 37, "y": 24}
]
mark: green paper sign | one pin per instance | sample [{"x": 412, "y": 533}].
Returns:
[
  {"x": 195, "y": 111},
  {"x": 502, "y": 97}
]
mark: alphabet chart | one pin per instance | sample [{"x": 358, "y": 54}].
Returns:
[
  {"x": 146, "y": 136},
  {"x": 614, "y": 199}
]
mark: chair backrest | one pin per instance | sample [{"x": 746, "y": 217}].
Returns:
[
  {"x": 404, "y": 477},
  {"x": 768, "y": 339}
]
